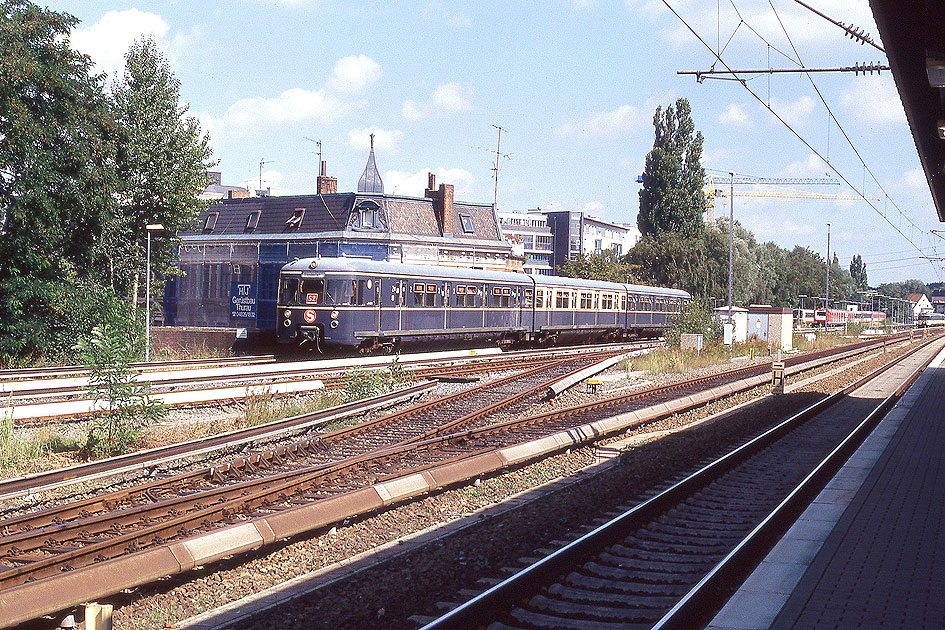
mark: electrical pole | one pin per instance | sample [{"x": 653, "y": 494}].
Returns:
[
  {"x": 731, "y": 240},
  {"x": 261, "y": 162},
  {"x": 827, "y": 295}
]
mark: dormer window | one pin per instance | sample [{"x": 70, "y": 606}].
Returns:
[
  {"x": 252, "y": 221},
  {"x": 368, "y": 215},
  {"x": 211, "y": 221},
  {"x": 467, "y": 223},
  {"x": 295, "y": 220}
]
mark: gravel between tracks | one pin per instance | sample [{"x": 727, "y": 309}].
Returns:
[{"x": 386, "y": 596}]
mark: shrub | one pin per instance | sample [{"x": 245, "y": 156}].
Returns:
[
  {"x": 696, "y": 318},
  {"x": 126, "y": 406}
]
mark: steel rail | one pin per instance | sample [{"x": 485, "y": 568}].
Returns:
[
  {"x": 291, "y": 481},
  {"x": 743, "y": 559},
  {"x": 56, "y": 372},
  {"x": 278, "y": 520},
  {"x": 502, "y": 596},
  {"x": 33, "y": 522}
]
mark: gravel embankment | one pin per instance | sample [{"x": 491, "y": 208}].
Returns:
[{"x": 386, "y": 596}]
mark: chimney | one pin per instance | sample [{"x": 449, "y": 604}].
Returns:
[
  {"x": 326, "y": 185},
  {"x": 442, "y": 204},
  {"x": 237, "y": 194}
]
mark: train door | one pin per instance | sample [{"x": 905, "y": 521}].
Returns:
[
  {"x": 392, "y": 312},
  {"x": 447, "y": 305}
]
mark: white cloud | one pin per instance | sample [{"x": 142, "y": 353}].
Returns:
[
  {"x": 446, "y": 99},
  {"x": 385, "y": 140},
  {"x": 413, "y": 184},
  {"x": 107, "y": 40},
  {"x": 354, "y": 73},
  {"x": 794, "y": 113},
  {"x": 250, "y": 116},
  {"x": 617, "y": 122},
  {"x": 733, "y": 115},
  {"x": 811, "y": 166},
  {"x": 874, "y": 99}
]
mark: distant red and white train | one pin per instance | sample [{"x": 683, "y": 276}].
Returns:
[{"x": 837, "y": 317}]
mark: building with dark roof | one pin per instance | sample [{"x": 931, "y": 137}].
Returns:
[{"x": 231, "y": 263}]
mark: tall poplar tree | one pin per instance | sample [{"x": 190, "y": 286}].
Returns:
[
  {"x": 672, "y": 198},
  {"x": 162, "y": 166},
  {"x": 858, "y": 273}
]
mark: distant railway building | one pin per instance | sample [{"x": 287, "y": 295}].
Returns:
[{"x": 231, "y": 262}]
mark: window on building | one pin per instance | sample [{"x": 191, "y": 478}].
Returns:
[
  {"x": 467, "y": 223},
  {"x": 618, "y": 249},
  {"x": 598, "y": 246},
  {"x": 295, "y": 221},
  {"x": 543, "y": 242},
  {"x": 368, "y": 215},
  {"x": 252, "y": 221},
  {"x": 211, "y": 221}
]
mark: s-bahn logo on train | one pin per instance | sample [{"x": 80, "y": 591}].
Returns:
[{"x": 309, "y": 316}]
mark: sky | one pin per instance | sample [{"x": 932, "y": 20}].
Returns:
[{"x": 572, "y": 83}]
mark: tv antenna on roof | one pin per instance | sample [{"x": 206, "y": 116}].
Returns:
[
  {"x": 261, "y": 162},
  {"x": 319, "y": 143},
  {"x": 495, "y": 169}
]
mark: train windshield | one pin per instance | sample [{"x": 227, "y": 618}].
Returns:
[{"x": 305, "y": 291}]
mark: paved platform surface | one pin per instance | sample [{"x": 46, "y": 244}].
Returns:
[{"x": 870, "y": 551}]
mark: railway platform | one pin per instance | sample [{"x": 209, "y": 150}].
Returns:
[{"x": 870, "y": 551}]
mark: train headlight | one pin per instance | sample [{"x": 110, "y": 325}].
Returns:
[
  {"x": 334, "y": 315},
  {"x": 313, "y": 264},
  {"x": 287, "y": 323},
  {"x": 287, "y": 314},
  {"x": 334, "y": 323}
]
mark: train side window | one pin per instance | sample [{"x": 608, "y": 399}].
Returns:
[
  {"x": 418, "y": 294},
  {"x": 527, "y": 303},
  {"x": 289, "y": 291},
  {"x": 562, "y": 299},
  {"x": 623, "y": 302},
  {"x": 430, "y": 296}
]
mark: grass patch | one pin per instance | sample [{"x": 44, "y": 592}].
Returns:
[
  {"x": 261, "y": 408},
  {"x": 17, "y": 450},
  {"x": 676, "y": 361}
]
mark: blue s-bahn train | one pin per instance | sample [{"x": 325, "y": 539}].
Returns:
[{"x": 348, "y": 303}]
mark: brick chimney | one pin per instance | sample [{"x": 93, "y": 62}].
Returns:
[
  {"x": 326, "y": 185},
  {"x": 442, "y": 204}
]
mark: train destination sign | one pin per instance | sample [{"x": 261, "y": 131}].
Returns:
[{"x": 242, "y": 300}]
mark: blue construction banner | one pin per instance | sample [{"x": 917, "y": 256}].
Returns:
[{"x": 242, "y": 300}]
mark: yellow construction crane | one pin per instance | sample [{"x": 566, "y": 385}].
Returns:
[{"x": 777, "y": 192}]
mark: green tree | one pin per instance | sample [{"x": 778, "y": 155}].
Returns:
[
  {"x": 57, "y": 154},
  {"x": 858, "y": 273},
  {"x": 604, "y": 266},
  {"x": 904, "y": 288},
  {"x": 672, "y": 198},
  {"x": 696, "y": 318},
  {"x": 162, "y": 165}
]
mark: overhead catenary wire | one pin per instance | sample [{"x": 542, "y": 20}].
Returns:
[{"x": 806, "y": 142}]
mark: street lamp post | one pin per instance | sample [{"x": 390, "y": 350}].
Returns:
[{"x": 151, "y": 227}]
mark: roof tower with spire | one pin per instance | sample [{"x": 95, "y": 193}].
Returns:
[{"x": 370, "y": 181}]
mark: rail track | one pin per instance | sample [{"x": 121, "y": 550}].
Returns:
[
  {"x": 669, "y": 561},
  {"x": 66, "y": 398},
  {"x": 79, "y": 550}
]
